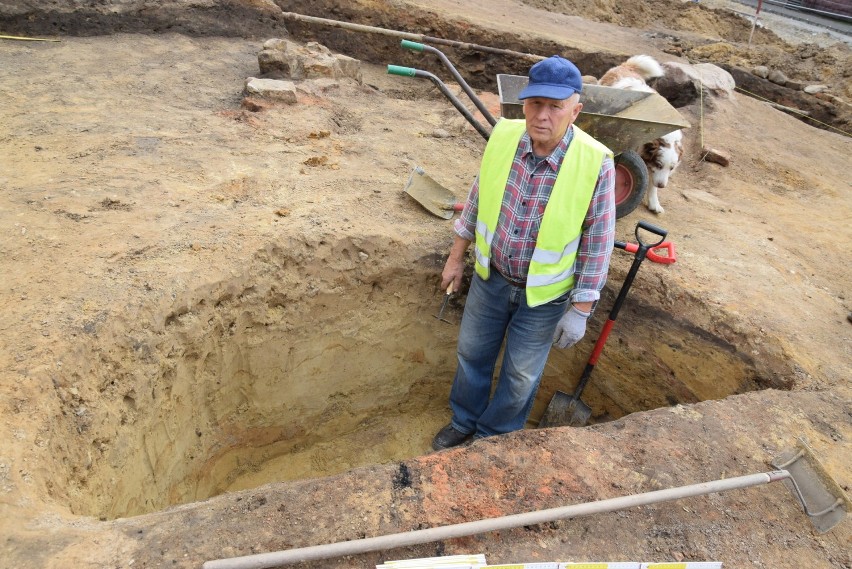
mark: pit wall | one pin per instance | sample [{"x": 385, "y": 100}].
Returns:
[
  {"x": 307, "y": 346},
  {"x": 323, "y": 357},
  {"x": 667, "y": 347}
]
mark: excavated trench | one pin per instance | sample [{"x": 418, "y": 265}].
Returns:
[
  {"x": 301, "y": 367},
  {"x": 236, "y": 18},
  {"x": 313, "y": 363}
]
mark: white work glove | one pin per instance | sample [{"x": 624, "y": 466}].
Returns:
[{"x": 571, "y": 327}]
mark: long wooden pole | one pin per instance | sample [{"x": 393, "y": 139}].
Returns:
[
  {"x": 754, "y": 21},
  {"x": 416, "y": 537},
  {"x": 21, "y": 38},
  {"x": 409, "y": 36}
]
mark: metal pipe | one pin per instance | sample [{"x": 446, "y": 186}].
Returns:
[
  {"x": 393, "y": 541},
  {"x": 409, "y": 36}
]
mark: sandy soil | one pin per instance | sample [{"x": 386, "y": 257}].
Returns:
[{"x": 202, "y": 301}]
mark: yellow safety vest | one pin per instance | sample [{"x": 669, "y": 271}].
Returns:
[{"x": 551, "y": 271}]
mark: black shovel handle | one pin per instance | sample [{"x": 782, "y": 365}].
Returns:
[
  {"x": 659, "y": 231},
  {"x": 638, "y": 257}
]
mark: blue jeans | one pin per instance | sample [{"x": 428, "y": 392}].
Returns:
[{"x": 496, "y": 309}]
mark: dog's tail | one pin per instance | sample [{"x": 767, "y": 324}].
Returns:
[{"x": 646, "y": 66}]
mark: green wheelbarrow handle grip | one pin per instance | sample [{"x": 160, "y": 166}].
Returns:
[
  {"x": 412, "y": 45},
  {"x": 400, "y": 70}
]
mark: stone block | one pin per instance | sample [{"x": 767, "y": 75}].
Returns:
[
  {"x": 283, "y": 59},
  {"x": 276, "y": 44},
  {"x": 683, "y": 82},
  {"x": 273, "y": 89},
  {"x": 761, "y": 71},
  {"x": 277, "y": 64},
  {"x": 777, "y": 77},
  {"x": 347, "y": 67},
  {"x": 716, "y": 156}
]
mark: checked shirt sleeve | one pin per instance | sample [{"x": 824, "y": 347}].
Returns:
[
  {"x": 465, "y": 225},
  {"x": 598, "y": 238}
]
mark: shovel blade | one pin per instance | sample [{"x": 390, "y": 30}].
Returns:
[
  {"x": 822, "y": 498},
  {"x": 565, "y": 410},
  {"x": 437, "y": 199}
]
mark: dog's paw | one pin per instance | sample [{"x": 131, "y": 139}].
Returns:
[{"x": 652, "y": 200}]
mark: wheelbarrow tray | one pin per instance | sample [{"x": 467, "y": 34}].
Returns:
[{"x": 621, "y": 119}]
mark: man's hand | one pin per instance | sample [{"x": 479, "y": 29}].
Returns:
[
  {"x": 571, "y": 327},
  {"x": 454, "y": 267}
]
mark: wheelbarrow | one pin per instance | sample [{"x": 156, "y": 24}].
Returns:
[{"x": 622, "y": 120}]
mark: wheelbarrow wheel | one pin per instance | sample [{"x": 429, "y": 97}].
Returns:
[{"x": 631, "y": 179}]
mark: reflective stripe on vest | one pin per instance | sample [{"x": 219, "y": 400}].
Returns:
[{"x": 551, "y": 270}]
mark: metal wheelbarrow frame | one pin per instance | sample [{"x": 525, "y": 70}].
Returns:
[{"x": 622, "y": 120}]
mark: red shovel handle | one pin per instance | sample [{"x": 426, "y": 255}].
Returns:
[
  {"x": 607, "y": 328},
  {"x": 654, "y": 254},
  {"x": 667, "y": 259}
]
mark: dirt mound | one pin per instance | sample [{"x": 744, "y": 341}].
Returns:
[
  {"x": 720, "y": 36},
  {"x": 699, "y": 32},
  {"x": 661, "y": 15}
]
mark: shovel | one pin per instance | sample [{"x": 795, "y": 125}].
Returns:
[
  {"x": 430, "y": 194},
  {"x": 567, "y": 409}
]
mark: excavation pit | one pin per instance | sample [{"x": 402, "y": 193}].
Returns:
[
  {"x": 139, "y": 192},
  {"x": 319, "y": 359}
]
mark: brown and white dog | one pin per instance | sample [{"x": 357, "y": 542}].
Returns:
[{"x": 662, "y": 155}]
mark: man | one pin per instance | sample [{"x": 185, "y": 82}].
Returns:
[{"x": 542, "y": 216}]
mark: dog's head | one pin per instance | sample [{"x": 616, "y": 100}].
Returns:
[{"x": 662, "y": 157}]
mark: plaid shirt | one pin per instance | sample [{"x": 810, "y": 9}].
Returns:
[{"x": 527, "y": 193}]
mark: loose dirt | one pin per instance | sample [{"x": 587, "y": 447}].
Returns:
[{"x": 219, "y": 335}]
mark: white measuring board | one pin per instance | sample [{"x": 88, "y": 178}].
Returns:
[
  {"x": 611, "y": 565},
  {"x": 524, "y": 566},
  {"x": 447, "y": 562},
  {"x": 688, "y": 565}
]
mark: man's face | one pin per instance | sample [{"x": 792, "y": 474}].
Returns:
[{"x": 548, "y": 119}]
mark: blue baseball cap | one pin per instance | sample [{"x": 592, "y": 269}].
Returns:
[{"x": 553, "y": 78}]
